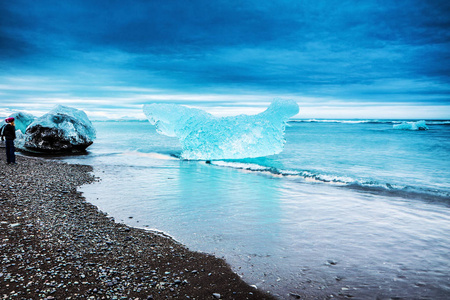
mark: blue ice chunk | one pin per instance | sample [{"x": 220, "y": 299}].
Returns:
[
  {"x": 203, "y": 136},
  {"x": 22, "y": 120},
  {"x": 63, "y": 129},
  {"x": 419, "y": 125}
]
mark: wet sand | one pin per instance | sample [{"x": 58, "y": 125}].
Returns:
[{"x": 55, "y": 245}]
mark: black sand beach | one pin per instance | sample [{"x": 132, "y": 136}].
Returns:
[{"x": 55, "y": 245}]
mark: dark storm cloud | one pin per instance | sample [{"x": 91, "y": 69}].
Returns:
[
  {"x": 316, "y": 48},
  {"x": 143, "y": 25}
]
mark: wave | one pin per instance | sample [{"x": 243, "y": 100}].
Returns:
[
  {"x": 438, "y": 122},
  {"x": 429, "y": 122},
  {"x": 338, "y": 121},
  {"x": 345, "y": 181},
  {"x": 153, "y": 155}
]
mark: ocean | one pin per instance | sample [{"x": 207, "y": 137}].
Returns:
[{"x": 350, "y": 208}]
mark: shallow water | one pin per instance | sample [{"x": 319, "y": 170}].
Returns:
[{"x": 287, "y": 232}]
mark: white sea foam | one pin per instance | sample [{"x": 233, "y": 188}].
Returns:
[
  {"x": 153, "y": 155},
  {"x": 340, "y": 121},
  {"x": 438, "y": 122},
  {"x": 318, "y": 177},
  {"x": 368, "y": 121}
]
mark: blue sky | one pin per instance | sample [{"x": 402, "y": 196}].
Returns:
[{"x": 337, "y": 59}]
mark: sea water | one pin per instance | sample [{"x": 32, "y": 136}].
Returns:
[{"x": 350, "y": 208}]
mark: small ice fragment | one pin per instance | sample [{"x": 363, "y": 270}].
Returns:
[
  {"x": 419, "y": 125},
  {"x": 22, "y": 120}
]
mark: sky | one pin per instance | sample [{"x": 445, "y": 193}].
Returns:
[{"x": 336, "y": 59}]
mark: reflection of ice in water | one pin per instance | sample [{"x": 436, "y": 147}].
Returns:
[
  {"x": 285, "y": 235},
  {"x": 203, "y": 136}
]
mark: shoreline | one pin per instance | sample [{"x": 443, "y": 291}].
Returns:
[{"x": 56, "y": 245}]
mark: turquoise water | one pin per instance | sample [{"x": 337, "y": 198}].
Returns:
[{"x": 347, "y": 209}]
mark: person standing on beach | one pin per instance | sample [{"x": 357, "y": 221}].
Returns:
[{"x": 9, "y": 132}]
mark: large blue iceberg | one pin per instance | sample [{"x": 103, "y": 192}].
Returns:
[
  {"x": 419, "y": 125},
  {"x": 205, "y": 137},
  {"x": 62, "y": 130}
]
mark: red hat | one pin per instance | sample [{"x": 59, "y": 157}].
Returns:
[{"x": 9, "y": 120}]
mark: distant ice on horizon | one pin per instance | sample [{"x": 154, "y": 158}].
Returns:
[
  {"x": 206, "y": 137},
  {"x": 419, "y": 125}
]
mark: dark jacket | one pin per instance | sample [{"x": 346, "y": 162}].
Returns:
[{"x": 9, "y": 132}]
